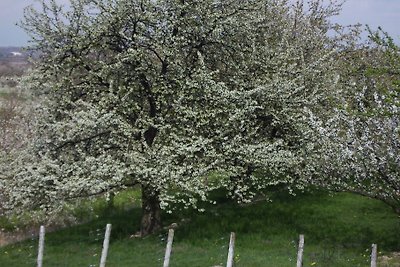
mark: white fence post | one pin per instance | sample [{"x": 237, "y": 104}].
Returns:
[
  {"x": 105, "y": 246},
  {"x": 300, "y": 252},
  {"x": 374, "y": 255},
  {"x": 231, "y": 251},
  {"x": 41, "y": 247},
  {"x": 169, "y": 247}
]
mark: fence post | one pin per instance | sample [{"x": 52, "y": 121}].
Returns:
[
  {"x": 169, "y": 247},
  {"x": 231, "y": 251},
  {"x": 374, "y": 255},
  {"x": 41, "y": 246},
  {"x": 105, "y": 246},
  {"x": 300, "y": 252}
]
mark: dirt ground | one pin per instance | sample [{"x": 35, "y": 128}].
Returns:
[{"x": 391, "y": 260}]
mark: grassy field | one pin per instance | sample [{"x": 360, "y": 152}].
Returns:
[{"x": 339, "y": 230}]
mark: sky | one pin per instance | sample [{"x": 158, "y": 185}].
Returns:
[{"x": 384, "y": 13}]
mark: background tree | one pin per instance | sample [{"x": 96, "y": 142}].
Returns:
[
  {"x": 17, "y": 129},
  {"x": 162, "y": 94},
  {"x": 363, "y": 140}
]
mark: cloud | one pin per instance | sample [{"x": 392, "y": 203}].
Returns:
[
  {"x": 375, "y": 13},
  {"x": 11, "y": 12}
]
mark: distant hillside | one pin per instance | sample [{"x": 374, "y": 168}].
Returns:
[
  {"x": 13, "y": 61},
  {"x": 13, "y": 54}
]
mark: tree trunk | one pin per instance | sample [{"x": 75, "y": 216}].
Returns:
[{"x": 151, "y": 212}]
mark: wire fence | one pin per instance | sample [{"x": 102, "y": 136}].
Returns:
[{"x": 230, "y": 262}]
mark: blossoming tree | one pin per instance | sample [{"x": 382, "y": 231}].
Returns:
[
  {"x": 365, "y": 129},
  {"x": 162, "y": 94}
]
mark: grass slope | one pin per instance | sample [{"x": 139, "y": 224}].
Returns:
[{"x": 339, "y": 230}]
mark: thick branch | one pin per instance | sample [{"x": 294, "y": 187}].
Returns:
[
  {"x": 74, "y": 142},
  {"x": 102, "y": 191}
]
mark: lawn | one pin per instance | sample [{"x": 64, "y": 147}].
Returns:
[{"x": 339, "y": 230}]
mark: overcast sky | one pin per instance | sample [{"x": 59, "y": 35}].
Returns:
[{"x": 385, "y": 13}]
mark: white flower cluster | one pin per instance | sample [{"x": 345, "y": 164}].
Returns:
[{"x": 181, "y": 97}]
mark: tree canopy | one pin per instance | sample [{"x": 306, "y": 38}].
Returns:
[
  {"x": 365, "y": 132},
  {"x": 179, "y": 97}
]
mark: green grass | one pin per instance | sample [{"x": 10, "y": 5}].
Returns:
[{"x": 339, "y": 230}]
